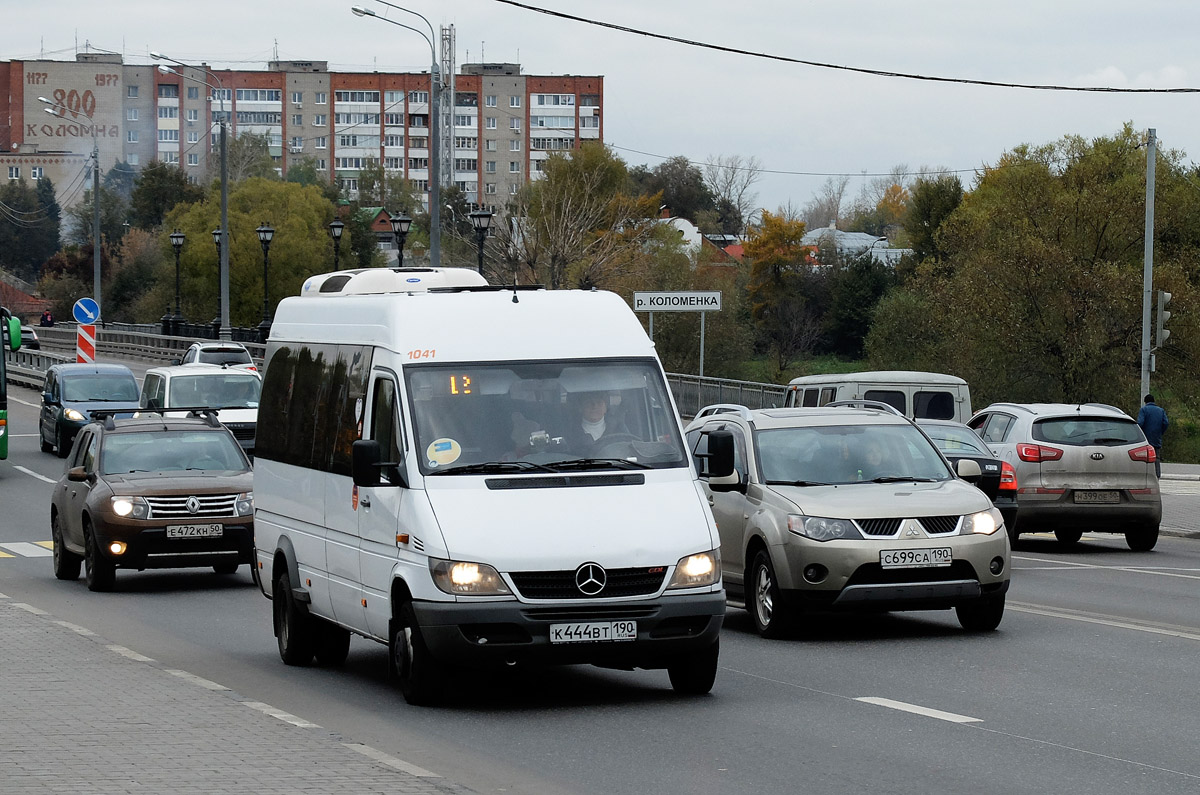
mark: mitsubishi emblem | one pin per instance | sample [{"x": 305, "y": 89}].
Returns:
[{"x": 590, "y": 579}]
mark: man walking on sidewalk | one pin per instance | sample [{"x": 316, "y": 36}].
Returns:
[{"x": 1153, "y": 421}]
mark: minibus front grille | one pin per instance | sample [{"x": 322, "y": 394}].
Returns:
[
  {"x": 566, "y": 481},
  {"x": 561, "y": 584}
]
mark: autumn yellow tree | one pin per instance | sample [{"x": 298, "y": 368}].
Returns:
[{"x": 779, "y": 266}]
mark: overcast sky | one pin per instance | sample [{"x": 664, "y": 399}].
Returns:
[{"x": 666, "y": 99}]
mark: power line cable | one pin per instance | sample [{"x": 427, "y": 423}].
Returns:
[{"x": 842, "y": 67}]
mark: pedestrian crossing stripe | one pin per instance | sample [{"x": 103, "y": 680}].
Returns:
[{"x": 27, "y": 549}]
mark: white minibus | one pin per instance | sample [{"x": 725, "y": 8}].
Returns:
[
  {"x": 478, "y": 476},
  {"x": 916, "y": 395}
]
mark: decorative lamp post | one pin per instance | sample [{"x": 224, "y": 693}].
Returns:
[
  {"x": 480, "y": 220},
  {"x": 218, "y": 236},
  {"x": 400, "y": 226},
  {"x": 335, "y": 231},
  {"x": 177, "y": 238},
  {"x": 265, "y": 233}
]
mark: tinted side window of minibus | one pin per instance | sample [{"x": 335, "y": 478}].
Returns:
[
  {"x": 810, "y": 396},
  {"x": 893, "y": 398},
  {"x": 933, "y": 405}
]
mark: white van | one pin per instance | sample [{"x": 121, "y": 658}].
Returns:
[
  {"x": 917, "y": 395},
  {"x": 478, "y": 476},
  {"x": 232, "y": 390}
]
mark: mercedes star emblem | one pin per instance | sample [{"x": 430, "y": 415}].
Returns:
[{"x": 590, "y": 579}]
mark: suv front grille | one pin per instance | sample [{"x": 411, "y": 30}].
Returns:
[
  {"x": 561, "y": 584},
  {"x": 934, "y": 525},
  {"x": 210, "y": 505}
]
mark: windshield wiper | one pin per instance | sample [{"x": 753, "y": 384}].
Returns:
[
  {"x": 796, "y": 483},
  {"x": 492, "y": 468},
  {"x": 597, "y": 463},
  {"x": 901, "y": 479}
]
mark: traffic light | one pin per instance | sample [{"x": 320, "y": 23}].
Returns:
[{"x": 1164, "y": 298}]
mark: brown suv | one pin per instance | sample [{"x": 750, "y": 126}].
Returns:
[{"x": 152, "y": 492}]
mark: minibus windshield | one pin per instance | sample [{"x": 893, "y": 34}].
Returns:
[{"x": 564, "y": 416}]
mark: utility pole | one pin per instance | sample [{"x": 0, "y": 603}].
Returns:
[
  {"x": 96, "y": 222},
  {"x": 1148, "y": 265}
]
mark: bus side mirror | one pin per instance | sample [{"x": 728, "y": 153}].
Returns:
[{"x": 364, "y": 462}]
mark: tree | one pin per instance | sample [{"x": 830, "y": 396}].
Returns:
[
  {"x": 681, "y": 184},
  {"x": 121, "y": 179},
  {"x": 378, "y": 187},
  {"x": 933, "y": 200},
  {"x": 113, "y": 212},
  {"x": 857, "y": 285},
  {"x": 826, "y": 207},
  {"x": 1036, "y": 289},
  {"x": 573, "y": 226},
  {"x": 730, "y": 179},
  {"x": 778, "y": 266},
  {"x": 300, "y": 248},
  {"x": 362, "y": 245},
  {"x": 247, "y": 155},
  {"x": 29, "y": 227},
  {"x": 158, "y": 188}
]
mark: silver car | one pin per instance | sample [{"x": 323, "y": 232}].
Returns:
[
  {"x": 1080, "y": 467},
  {"x": 844, "y": 508}
]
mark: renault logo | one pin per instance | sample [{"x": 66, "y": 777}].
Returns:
[
  {"x": 192, "y": 505},
  {"x": 590, "y": 579}
]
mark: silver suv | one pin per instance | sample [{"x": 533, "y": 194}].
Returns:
[
  {"x": 1079, "y": 467},
  {"x": 845, "y": 508}
]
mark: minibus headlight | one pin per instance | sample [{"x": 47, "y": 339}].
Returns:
[
  {"x": 245, "y": 504},
  {"x": 132, "y": 507},
  {"x": 695, "y": 571},
  {"x": 74, "y": 415},
  {"x": 460, "y": 577},
  {"x": 984, "y": 522}
]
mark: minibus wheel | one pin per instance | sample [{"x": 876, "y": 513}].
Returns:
[
  {"x": 293, "y": 629},
  {"x": 694, "y": 674},
  {"x": 422, "y": 680}
]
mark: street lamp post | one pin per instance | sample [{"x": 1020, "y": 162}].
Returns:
[
  {"x": 435, "y": 105},
  {"x": 177, "y": 238},
  {"x": 265, "y": 233},
  {"x": 480, "y": 220},
  {"x": 224, "y": 332},
  {"x": 335, "y": 231},
  {"x": 217, "y": 237},
  {"x": 400, "y": 225},
  {"x": 55, "y": 109}
]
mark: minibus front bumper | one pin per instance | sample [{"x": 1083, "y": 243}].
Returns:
[{"x": 498, "y": 633}]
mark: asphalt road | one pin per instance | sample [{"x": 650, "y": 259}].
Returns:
[{"x": 1088, "y": 685}]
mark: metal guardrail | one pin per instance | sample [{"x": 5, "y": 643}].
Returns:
[
  {"x": 143, "y": 342},
  {"x": 694, "y": 392}
]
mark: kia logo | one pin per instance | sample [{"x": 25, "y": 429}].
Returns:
[
  {"x": 590, "y": 579},
  {"x": 1097, "y": 456}
]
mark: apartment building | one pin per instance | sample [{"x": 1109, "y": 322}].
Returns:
[{"x": 499, "y": 131}]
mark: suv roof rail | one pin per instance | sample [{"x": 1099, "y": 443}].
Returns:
[
  {"x": 725, "y": 408},
  {"x": 868, "y": 404},
  {"x": 207, "y": 413}
]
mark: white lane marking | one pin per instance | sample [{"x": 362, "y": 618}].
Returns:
[
  {"x": 24, "y": 403},
  {"x": 918, "y": 710},
  {"x": 3, "y": 596},
  {"x": 196, "y": 680},
  {"x": 130, "y": 653},
  {"x": 286, "y": 717},
  {"x": 33, "y": 474},
  {"x": 37, "y": 611},
  {"x": 390, "y": 761},
  {"x": 1186, "y": 488},
  {"x": 1185, "y": 633},
  {"x": 1062, "y": 565},
  {"x": 76, "y": 628},
  {"x": 28, "y": 550}
]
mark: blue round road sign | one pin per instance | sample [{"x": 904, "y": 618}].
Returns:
[{"x": 86, "y": 311}]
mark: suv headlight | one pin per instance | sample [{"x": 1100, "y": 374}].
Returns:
[
  {"x": 133, "y": 507},
  {"x": 819, "y": 528},
  {"x": 460, "y": 577},
  {"x": 696, "y": 571},
  {"x": 984, "y": 522},
  {"x": 245, "y": 504},
  {"x": 75, "y": 415}
]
